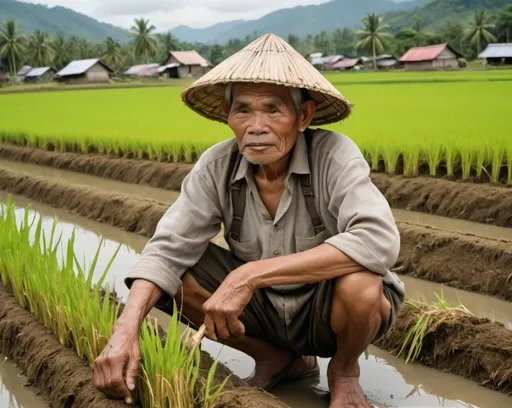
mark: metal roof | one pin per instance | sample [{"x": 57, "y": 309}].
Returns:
[
  {"x": 429, "y": 53},
  {"x": 37, "y": 72},
  {"x": 142, "y": 69},
  {"x": 190, "y": 58},
  {"x": 499, "y": 50},
  {"x": 164, "y": 67},
  {"x": 78, "y": 67},
  {"x": 24, "y": 70},
  {"x": 386, "y": 63},
  {"x": 347, "y": 63},
  {"x": 330, "y": 59}
]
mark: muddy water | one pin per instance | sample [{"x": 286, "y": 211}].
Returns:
[
  {"x": 385, "y": 379},
  {"x": 13, "y": 390}
]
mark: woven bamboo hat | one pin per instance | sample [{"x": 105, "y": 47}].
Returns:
[{"x": 269, "y": 59}]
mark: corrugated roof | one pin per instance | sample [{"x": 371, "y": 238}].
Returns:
[
  {"x": 78, "y": 67},
  {"x": 164, "y": 67},
  {"x": 428, "y": 53},
  {"x": 330, "y": 59},
  {"x": 386, "y": 63},
  {"x": 346, "y": 63},
  {"x": 142, "y": 69},
  {"x": 24, "y": 70},
  {"x": 37, "y": 72},
  {"x": 190, "y": 58},
  {"x": 499, "y": 50}
]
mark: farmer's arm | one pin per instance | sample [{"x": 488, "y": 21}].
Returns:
[
  {"x": 180, "y": 239},
  {"x": 368, "y": 240}
]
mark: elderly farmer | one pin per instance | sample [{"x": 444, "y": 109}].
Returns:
[{"x": 311, "y": 238}]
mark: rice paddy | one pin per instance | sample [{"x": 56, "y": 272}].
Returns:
[
  {"x": 49, "y": 285},
  {"x": 448, "y": 123}
]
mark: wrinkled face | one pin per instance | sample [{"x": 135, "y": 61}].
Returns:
[{"x": 265, "y": 121}]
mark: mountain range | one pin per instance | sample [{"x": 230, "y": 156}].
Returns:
[{"x": 300, "y": 20}]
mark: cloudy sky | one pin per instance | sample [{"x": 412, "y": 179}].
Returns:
[{"x": 165, "y": 14}]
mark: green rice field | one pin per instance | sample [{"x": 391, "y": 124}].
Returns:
[{"x": 406, "y": 122}]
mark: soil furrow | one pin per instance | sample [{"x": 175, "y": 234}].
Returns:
[
  {"x": 463, "y": 345},
  {"x": 483, "y": 203},
  {"x": 480, "y": 265}
]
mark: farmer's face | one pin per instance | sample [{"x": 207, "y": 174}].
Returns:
[{"x": 265, "y": 122}]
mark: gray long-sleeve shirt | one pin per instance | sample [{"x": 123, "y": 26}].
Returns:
[{"x": 357, "y": 217}]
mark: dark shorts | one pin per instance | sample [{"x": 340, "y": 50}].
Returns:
[{"x": 308, "y": 333}]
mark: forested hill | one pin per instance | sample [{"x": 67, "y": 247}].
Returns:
[
  {"x": 300, "y": 20},
  {"x": 433, "y": 14},
  {"x": 57, "y": 20}
]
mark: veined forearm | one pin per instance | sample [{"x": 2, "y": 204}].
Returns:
[
  {"x": 324, "y": 262},
  {"x": 142, "y": 298}
]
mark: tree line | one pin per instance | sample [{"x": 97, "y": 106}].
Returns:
[{"x": 147, "y": 46}]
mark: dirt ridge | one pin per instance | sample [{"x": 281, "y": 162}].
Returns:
[
  {"x": 480, "y": 265},
  {"x": 467, "y": 346},
  {"x": 483, "y": 203}
]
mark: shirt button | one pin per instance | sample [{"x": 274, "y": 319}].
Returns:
[{"x": 276, "y": 252}]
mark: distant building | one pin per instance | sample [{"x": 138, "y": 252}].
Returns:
[
  {"x": 24, "y": 70},
  {"x": 324, "y": 62},
  {"x": 497, "y": 54},
  {"x": 41, "y": 74},
  {"x": 169, "y": 70},
  {"x": 84, "y": 72},
  {"x": 189, "y": 64},
  {"x": 142, "y": 71},
  {"x": 433, "y": 57},
  {"x": 348, "y": 64}
]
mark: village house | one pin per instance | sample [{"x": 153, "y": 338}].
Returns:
[
  {"x": 324, "y": 62},
  {"x": 24, "y": 70},
  {"x": 142, "y": 71},
  {"x": 41, "y": 74},
  {"x": 348, "y": 64},
  {"x": 497, "y": 54},
  {"x": 84, "y": 72},
  {"x": 185, "y": 64},
  {"x": 432, "y": 57}
]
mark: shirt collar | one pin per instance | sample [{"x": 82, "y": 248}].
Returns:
[{"x": 298, "y": 163}]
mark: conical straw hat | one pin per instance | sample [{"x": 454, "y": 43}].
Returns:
[{"x": 269, "y": 59}]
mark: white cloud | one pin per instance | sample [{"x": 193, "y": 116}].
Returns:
[{"x": 165, "y": 14}]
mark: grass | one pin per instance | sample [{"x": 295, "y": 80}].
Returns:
[
  {"x": 453, "y": 123},
  {"x": 49, "y": 287},
  {"x": 429, "y": 317}
]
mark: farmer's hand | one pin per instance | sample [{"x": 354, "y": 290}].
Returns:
[
  {"x": 117, "y": 367},
  {"x": 225, "y": 306}
]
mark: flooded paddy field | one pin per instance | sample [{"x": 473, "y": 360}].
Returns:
[{"x": 388, "y": 381}]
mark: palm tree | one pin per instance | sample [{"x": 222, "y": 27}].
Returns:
[
  {"x": 40, "y": 49},
  {"x": 11, "y": 44},
  {"x": 112, "y": 55},
  {"x": 168, "y": 42},
  {"x": 145, "y": 44},
  {"x": 63, "y": 50},
  {"x": 373, "y": 36},
  {"x": 478, "y": 29}
]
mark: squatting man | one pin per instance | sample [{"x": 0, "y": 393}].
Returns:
[{"x": 311, "y": 239}]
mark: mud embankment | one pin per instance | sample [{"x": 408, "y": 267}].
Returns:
[
  {"x": 480, "y": 265},
  {"x": 463, "y": 345},
  {"x": 483, "y": 203}
]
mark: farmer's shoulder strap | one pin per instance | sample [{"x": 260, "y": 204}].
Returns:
[
  {"x": 238, "y": 189},
  {"x": 307, "y": 188}
]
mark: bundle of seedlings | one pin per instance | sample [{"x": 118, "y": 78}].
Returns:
[
  {"x": 452, "y": 339},
  {"x": 79, "y": 308}
]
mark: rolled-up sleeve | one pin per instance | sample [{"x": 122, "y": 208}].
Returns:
[
  {"x": 367, "y": 232},
  {"x": 182, "y": 235}
]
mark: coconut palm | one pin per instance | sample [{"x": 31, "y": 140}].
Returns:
[
  {"x": 112, "y": 55},
  {"x": 63, "y": 51},
  {"x": 373, "y": 36},
  {"x": 11, "y": 44},
  {"x": 145, "y": 44},
  {"x": 40, "y": 49},
  {"x": 167, "y": 42},
  {"x": 478, "y": 30}
]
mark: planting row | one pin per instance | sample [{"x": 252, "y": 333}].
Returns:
[{"x": 458, "y": 129}]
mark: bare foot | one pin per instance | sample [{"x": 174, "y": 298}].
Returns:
[
  {"x": 345, "y": 389},
  {"x": 266, "y": 371}
]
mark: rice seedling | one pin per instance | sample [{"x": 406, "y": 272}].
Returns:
[
  {"x": 49, "y": 285},
  {"x": 429, "y": 317},
  {"x": 431, "y": 118}
]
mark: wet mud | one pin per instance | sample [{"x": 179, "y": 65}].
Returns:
[
  {"x": 467, "y": 262},
  {"x": 483, "y": 203},
  {"x": 467, "y": 346}
]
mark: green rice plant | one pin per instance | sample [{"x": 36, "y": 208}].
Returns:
[
  {"x": 497, "y": 158},
  {"x": 428, "y": 318},
  {"x": 411, "y": 158},
  {"x": 466, "y": 161},
  {"x": 433, "y": 156},
  {"x": 77, "y": 306}
]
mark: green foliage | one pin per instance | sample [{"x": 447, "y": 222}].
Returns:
[
  {"x": 113, "y": 54},
  {"x": 40, "y": 49},
  {"x": 478, "y": 30},
  {"x": 504, "y": 24},
  {"x": 144, "y": 40},
  {"x": 49, "y": 286},
  {"x": 12, "y": 45},
  {"x": 373, "y": 36}
]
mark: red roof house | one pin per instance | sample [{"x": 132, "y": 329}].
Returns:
[
  {"x": 347, "y": 63},
  {"x": 441, "y": 56}
]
